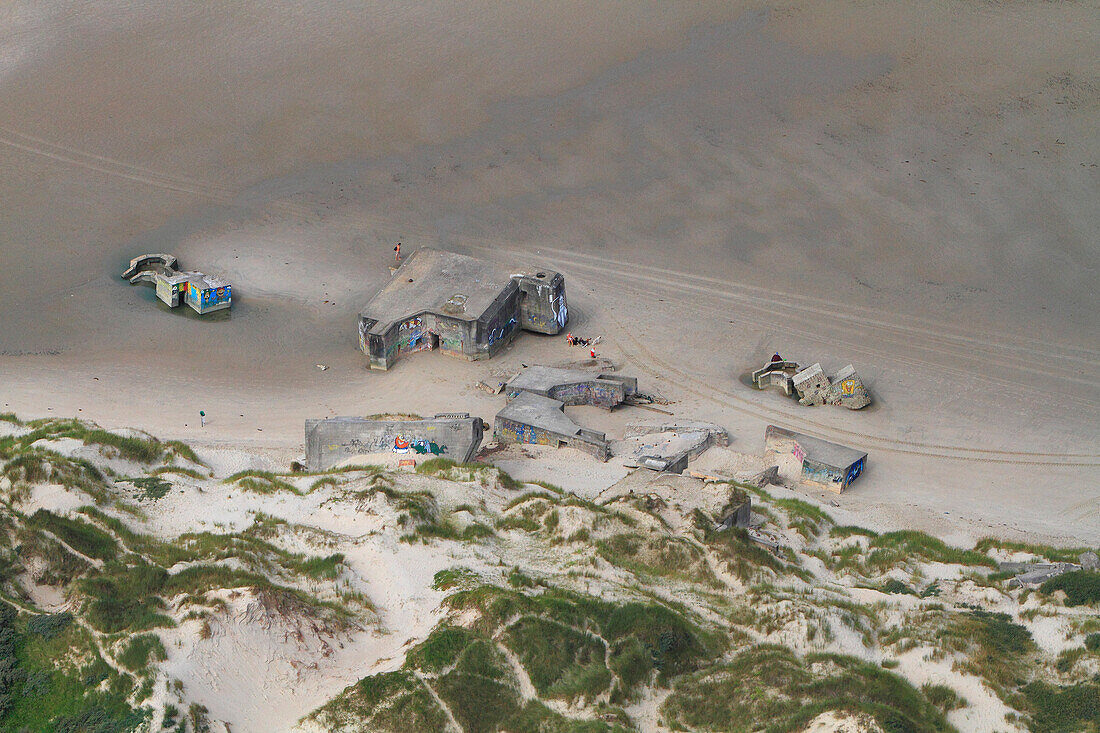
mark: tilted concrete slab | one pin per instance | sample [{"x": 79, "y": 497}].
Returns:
[
  {"x": 335, "y": 440},
  {"x": 532, "y": 418},
  {"x": 847, "y": 390},
  {"x": 573, "y": 386}
]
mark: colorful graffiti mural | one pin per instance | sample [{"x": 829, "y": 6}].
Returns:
[
  {"x": 420, "y": 446},
  {"x": 498, "y": 333},
  {"x": 561, "y": 310}
]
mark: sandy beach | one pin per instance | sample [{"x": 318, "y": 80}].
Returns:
[{"x": 910, "y": 188}]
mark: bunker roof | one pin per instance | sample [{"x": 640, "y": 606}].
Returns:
[
  {"x": 443, "y": 283},
  {"x": 541, "y": 412},
  {"x": 538, "y": 378},
  {"x": 818, "y": 450}
]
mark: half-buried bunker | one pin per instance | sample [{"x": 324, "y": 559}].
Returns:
[{"x": 460, "y": 305}]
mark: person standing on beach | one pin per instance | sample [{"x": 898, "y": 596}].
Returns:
[{"x": 397, "y": 251}]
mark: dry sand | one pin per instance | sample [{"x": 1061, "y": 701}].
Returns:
[{"x": 911, "y": 187}]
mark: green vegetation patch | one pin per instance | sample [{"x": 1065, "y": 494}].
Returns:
[
  {"x": 150, "y": 488},
  {"x": 1082, "y": 587},
  {"x": 125, "y": 598},
  {"x": 1069, "y": 709},
  {"x": 560, "y": 660},
  {"x": 740, "y": 556},
  {"x": 49, "y": 625},
  {"x": 893, "y": 548},
  {"x": 441, "y": 649},
  {"x": 44, "y": 688},
  {"x": 537, "y": 718},
  {"x": 261, "y": 482},
  {"x": 1052, "y": 554},
  {"x": 770, "y": 686},
  {"x": 85, "y": 538},
  {"x": 995, "y": 647},
  {"x": 395, "y": 702},
  {"x": 656, "y": 555},
  {"x": 140, "y": 650}
]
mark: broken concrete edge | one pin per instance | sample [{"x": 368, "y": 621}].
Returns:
[{"x": 1039, "y": 573}]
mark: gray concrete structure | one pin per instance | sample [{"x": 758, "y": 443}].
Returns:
[
  {"x": 533, "y": 418},
  {"x": 847, "y": 390},
  {"x": 808, "y": 459},
  {"x": 331, "y": 441},
  {"x": 573, "y": 386},
  {"x": 460, "y": 305},
  {"x": 1036, "y": 574},
  {"x": 737, "y": 512},
  {"x": 812, "y": 385},
  {"x": 776, "y": 374},
  {"x": 668, "y": 446},
  {"x": 203, "y": 293}
]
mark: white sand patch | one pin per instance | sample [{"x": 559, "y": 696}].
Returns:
[
  {"x": 985, "y": 711},
  {"x": 841, "y": 722},
  {"x": 56, "y": 498},
  {"x": 566, "y": 467}
]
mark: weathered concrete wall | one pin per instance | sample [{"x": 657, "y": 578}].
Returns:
[
  {"x": 573, "y": 387},
  {"x": 460, "y": 305},
  {"x": 808, "y": 459},
  {"x": 847, "y": 390},
  {"x": 543, "y": 308},
  {"x": 737, "y": 513},
  {"x": 812, "y": 385},
  {"x": 531, "y": 418},
  {"x": 775, "y": 374},
  {"x": 711, "y": 434},
  {"x": 333, "y": 440}
]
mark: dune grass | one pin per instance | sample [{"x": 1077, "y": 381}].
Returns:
[{"x": 770, "y": 684}]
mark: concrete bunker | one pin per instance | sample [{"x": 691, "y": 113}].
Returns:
[
  {"x": 532, "y": 418},
  {"x": 573, "y": 386},
  {"x": 203, "y": 293},
  {"x": 332, "y": 441},
  {"x": 460, "y": 305},
  {"x": 812, "y": 386},
  {"x": 803, "y": 458}
]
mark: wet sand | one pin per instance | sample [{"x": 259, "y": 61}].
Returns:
[{"x": 910, "y": 188}]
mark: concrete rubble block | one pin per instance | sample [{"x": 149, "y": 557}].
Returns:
[
  {"x": 573, "y": 386},
  {"x": 812, "y": 385},
  {"x": 533, "y": 418},
  {"x": 737, "y": 512},
  {"x": 769, "y": 476},
  {"x": 715, "y": 435},
  {"x": 1039, "y": 573},
  {"x": 1089, "y": 561},
  {"x": 663, "y": 464},
  {"x": 667, "y": 446},
  {"x": 847, "y": 390},
  {"x": 332, "y": 441}
]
